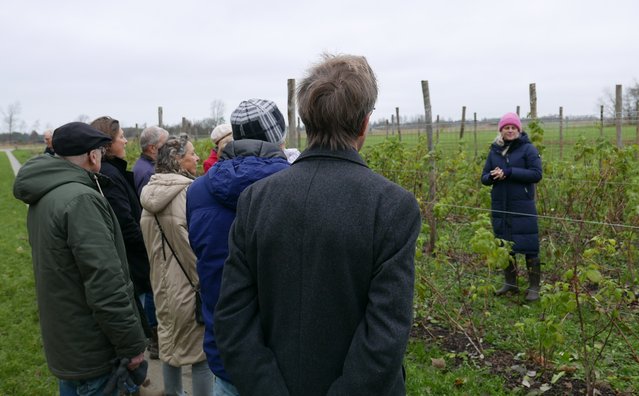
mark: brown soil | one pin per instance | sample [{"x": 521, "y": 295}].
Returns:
[{"x": 505, "y": 364}]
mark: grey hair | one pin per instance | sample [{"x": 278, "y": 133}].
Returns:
[
  {"x": 151, "y": 136},
  {"x": 170, "y": 154}
]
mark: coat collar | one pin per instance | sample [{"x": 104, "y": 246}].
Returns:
[
  {"x": 119, "y": 163},
  {"x": 350, "y": 155}
]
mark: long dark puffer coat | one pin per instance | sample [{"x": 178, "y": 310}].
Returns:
[{"x": 514, "y": 215}]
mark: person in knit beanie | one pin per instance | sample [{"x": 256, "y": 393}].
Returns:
[
  {"x": 512, "y": 168},
  {"x": 252, "y": 153},
  {"x": 220, "y": 136}
]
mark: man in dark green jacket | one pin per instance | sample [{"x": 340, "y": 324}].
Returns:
[{"x": 85, "y": 297}]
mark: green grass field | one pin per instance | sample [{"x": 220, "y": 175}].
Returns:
[
  {"x": 449, "y": 141},
  {"x": 23, "y": 370},
  {"x": 450, "y": 282}
]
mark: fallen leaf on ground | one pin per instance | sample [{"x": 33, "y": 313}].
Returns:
[{"x": 438, "y": 363}]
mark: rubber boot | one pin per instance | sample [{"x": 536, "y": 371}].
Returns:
[
  {"x": 534, "y": 278},
  {"x": 510, "y": 284}
]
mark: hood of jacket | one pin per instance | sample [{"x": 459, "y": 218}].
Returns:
[
  {"x": 498, "y": 144},
  {"x": 242, "y": 163},
  {"x": 161, "y": 190},
  {"x": 44, "y": 173}
]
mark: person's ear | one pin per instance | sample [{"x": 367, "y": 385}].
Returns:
[
  {"x": 93, "y": 157},
  {"x": 364, "y": 127}
]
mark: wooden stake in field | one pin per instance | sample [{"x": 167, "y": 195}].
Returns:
[
  {"x": 292, "y": 135},
  {"x": 393, "y": 124},
  {"x": 561, "y": 133},
  {"x": 637, "y": 120},
  {"x": 518, "y": 111},
  {"x": 532, "y": 90},
  {"x": 601, "y": 121},
  {"x": 399, "y": 131},
  {"x": 618, "y": 107},
  {"x": 437, "y": 128},
  {"x": 160, "y": 116},
  {"x": 387, "y": 128},
  {"x": 463, "y": 123},
  {"x": 601, "y": 129},
  {"x": 184, "y": 125},
  {"x": 475, "y": 132},
  {"x": 428, "y": 119}
]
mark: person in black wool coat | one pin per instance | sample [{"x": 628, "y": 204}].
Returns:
[{"x": 317, "y": 290}]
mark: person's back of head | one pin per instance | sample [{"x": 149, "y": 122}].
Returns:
[
  {"x": 335, "y": 100},
  {"x": 221, "y": 135},
  {"x": 48, "y": 135},
  {"x": 258, "y": 119},
  {"x": 152, "y": 136}
]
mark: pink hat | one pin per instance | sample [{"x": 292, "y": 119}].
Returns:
[{"x": 509, "y": 119}]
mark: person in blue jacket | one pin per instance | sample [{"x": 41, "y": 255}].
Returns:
[
  {"x": 211, "y": 201},
  {"x": 513, "y": 167}
]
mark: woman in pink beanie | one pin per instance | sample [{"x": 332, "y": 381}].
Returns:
[{"x": 512, "y": 168}]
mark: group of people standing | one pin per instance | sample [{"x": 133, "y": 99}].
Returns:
[{"x": 276, "y": 272}]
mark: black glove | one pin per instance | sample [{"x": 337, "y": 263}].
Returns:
[
  {"x": 123, "y": 379},
  {"x": 139, "y": 374}
]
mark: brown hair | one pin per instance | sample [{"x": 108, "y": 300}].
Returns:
[
  {"x": 110, "y": 127},
  {"x": 335, "y": 98}
]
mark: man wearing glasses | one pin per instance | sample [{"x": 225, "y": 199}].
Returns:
[{"x": 85, "y": 298}]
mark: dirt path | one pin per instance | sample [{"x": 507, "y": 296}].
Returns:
[{"x": 14, "y": 162}]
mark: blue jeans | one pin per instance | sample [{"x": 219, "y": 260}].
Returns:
[
  {"x": 149, "y": 309},
  {"x": 224, "y": 388},
  {"x": 88, "y": 387},
  {"x": 202, "y": 378}
]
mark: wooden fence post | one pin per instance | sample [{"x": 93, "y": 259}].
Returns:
[
  {"x": 399, "y": 132},
  {"x": 618, "y": 111},
  {"x": 637, "y": 120},
  {"x": 292, "y": 136},
  {"x": 387, "y": 128},
  {"x": 463, "y": 123},
  {"x": 437, "y": 129},
  {"x": 160, "y": 116},
  {"x": 561, "y": 133},
  {"x": 601, "y": 121},
  {"x": 518, "y": 111},
  {"x": 475, "y": 131},
  {"x": 601, "y": 129},
  {"x": 184, "y": 125},
  {"x": 532, "y": 90},
  {"x": 428, "y": 119},
  {"x": 393, "y": 124}
]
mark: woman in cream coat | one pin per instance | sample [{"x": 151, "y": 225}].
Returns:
[{"x": 180, "y": 336}]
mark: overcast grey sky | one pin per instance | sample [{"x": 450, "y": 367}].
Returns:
[{"x": 61, "y": 59}]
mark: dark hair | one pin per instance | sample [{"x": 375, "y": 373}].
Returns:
[
  {"x": 110, "y": 127},
  {"x": 170, "y": 154},
  {"x": 335, "y": 98}
]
